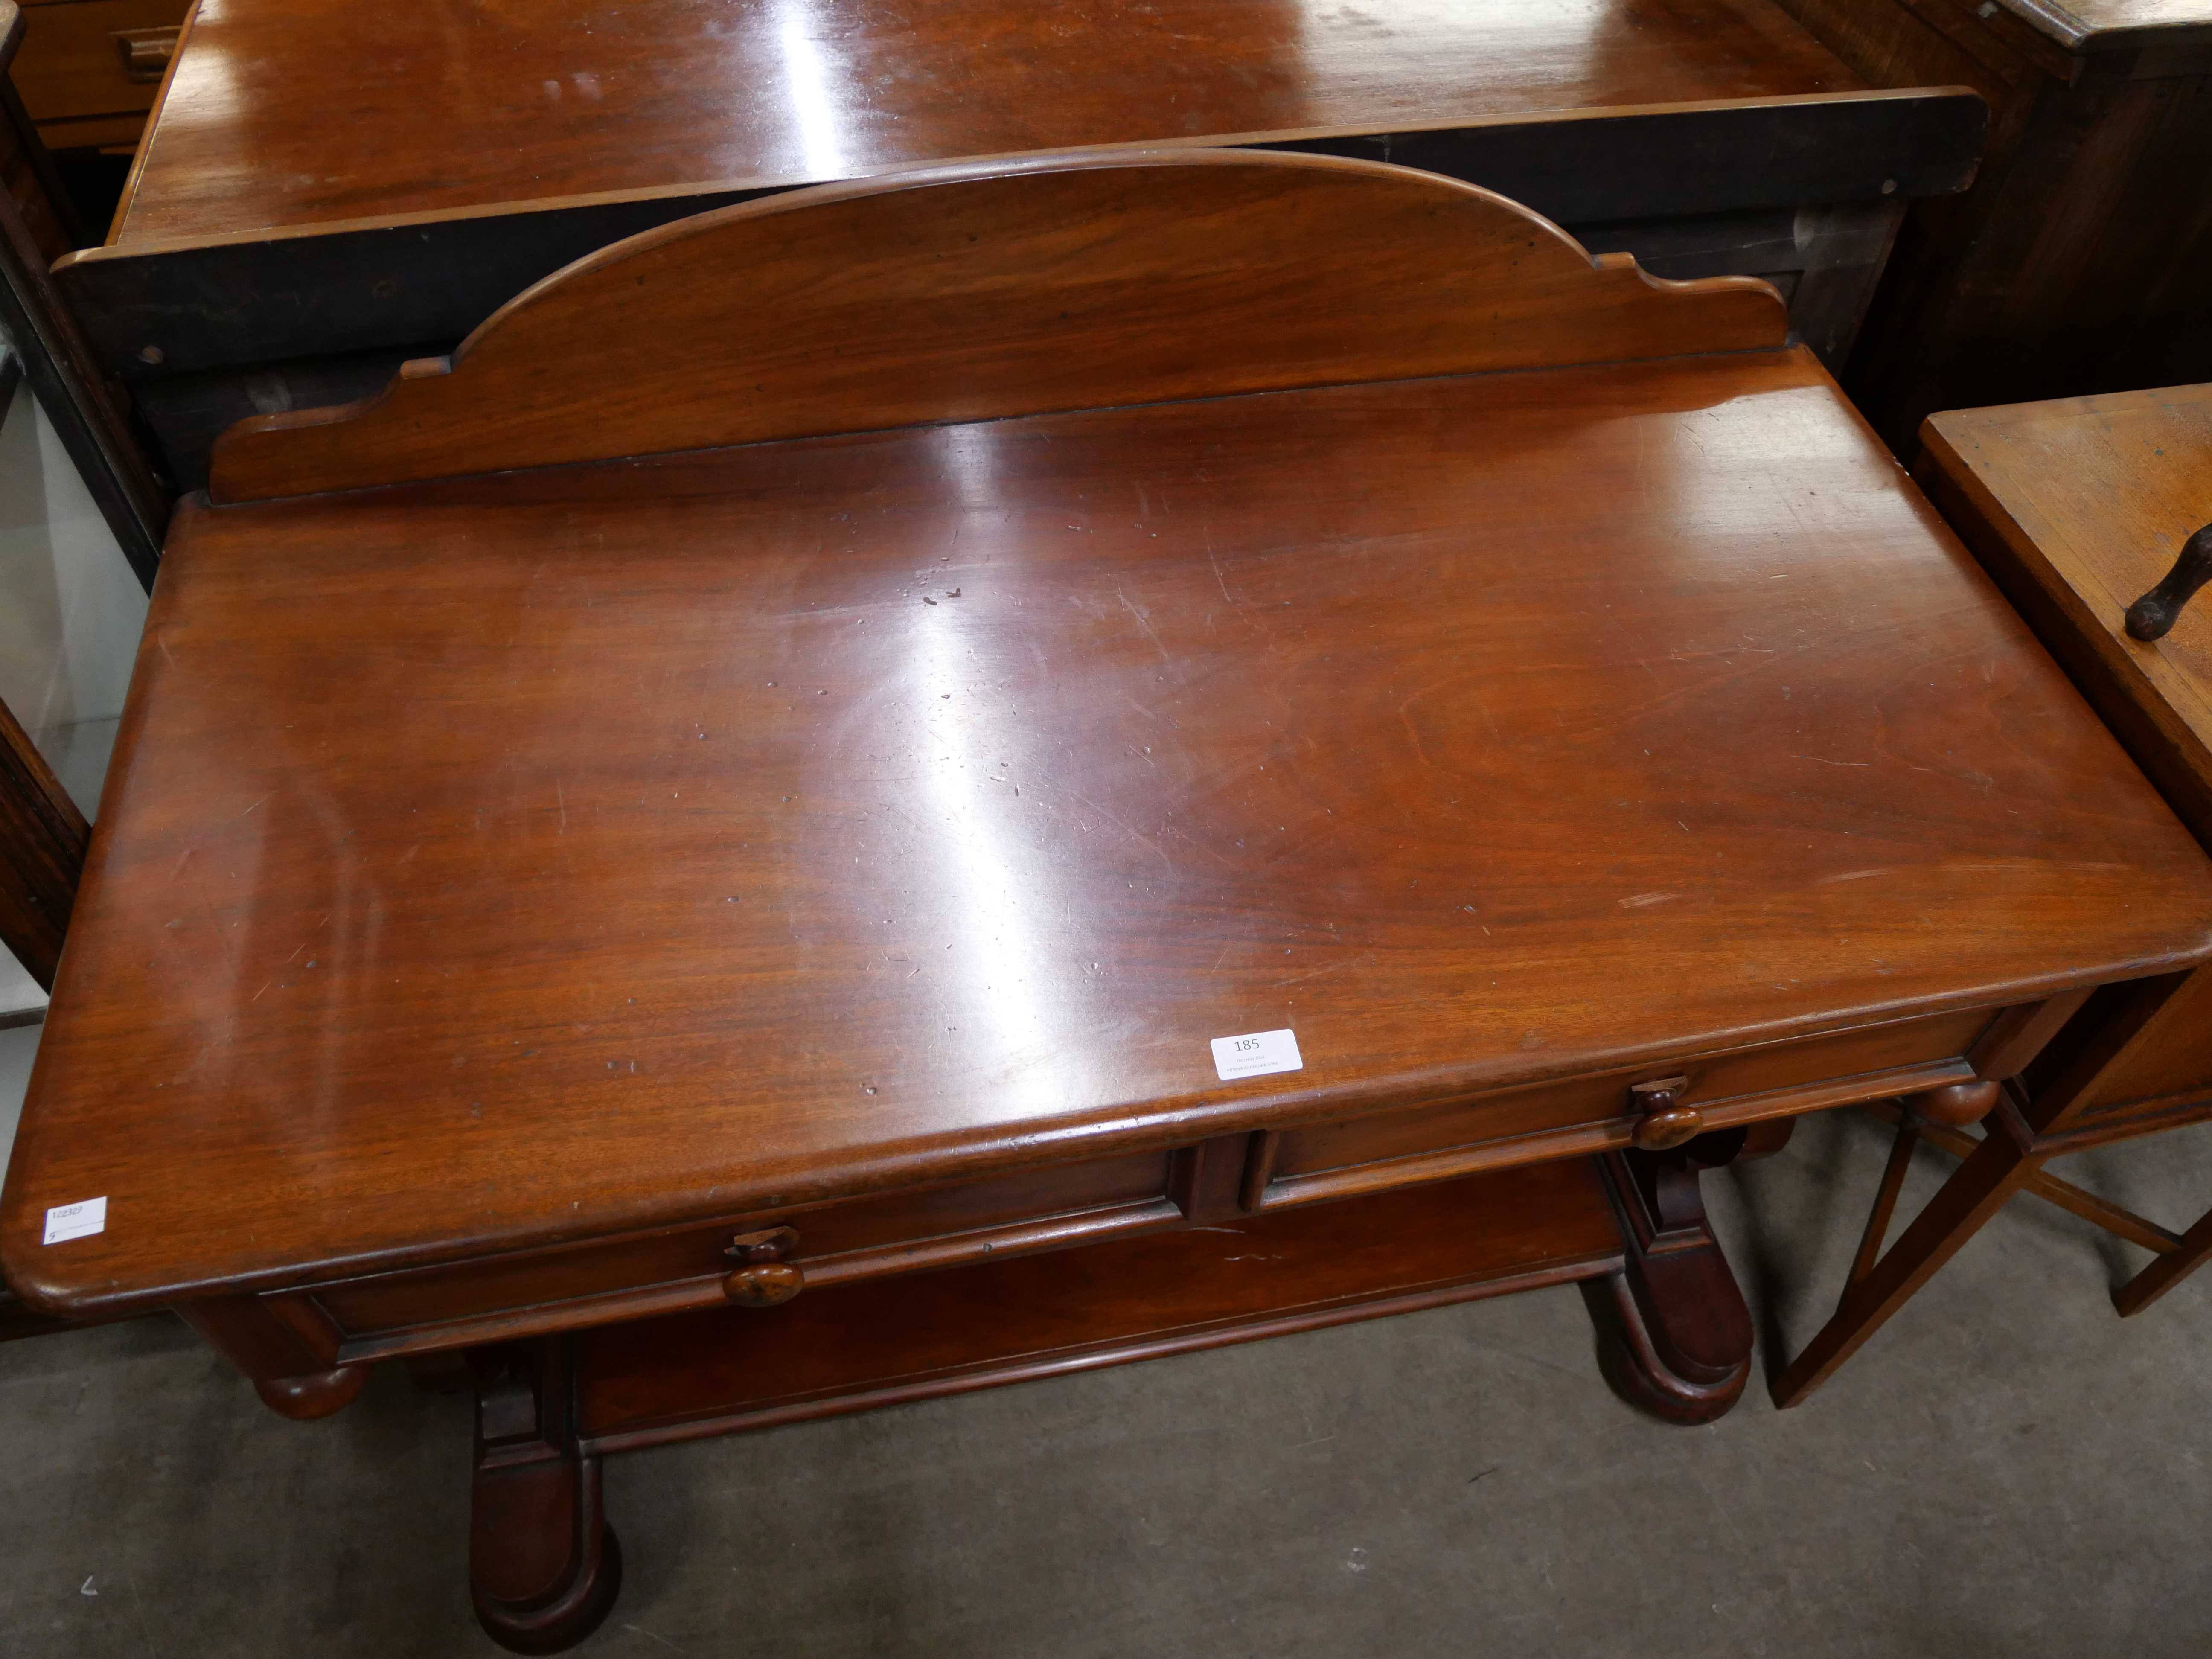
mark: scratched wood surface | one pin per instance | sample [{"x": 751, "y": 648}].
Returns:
[
  {"x": 970, "y": 293},
  {"x": 263, "y": 122},
  {"x": 560, "y": 852}
]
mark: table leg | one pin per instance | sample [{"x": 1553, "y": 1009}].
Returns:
[
  {"x": 544, "y": 1566},
  {"x": 1682, "y": 1349},
  {"x": 1975, "y": 1192},
  {"x": 2163, "y": 1274}
]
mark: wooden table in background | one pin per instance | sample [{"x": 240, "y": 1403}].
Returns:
[
  {"x": 90, "y": 69},
  {"x": 740, "y": 784},
  {"x": 2077, "y": 508},
  {"x": 2077, "y": 262},
  {"x": 325, "y": 179}
]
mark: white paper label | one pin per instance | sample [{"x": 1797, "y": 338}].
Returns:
[
  {"x": 79, "y": 1220},
  {"x": 1256, "y": 1054}
]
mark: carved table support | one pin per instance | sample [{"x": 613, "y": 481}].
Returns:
[
  {"x": 544, "y": 1566},
  {"x": 1683, "y": 1349}
]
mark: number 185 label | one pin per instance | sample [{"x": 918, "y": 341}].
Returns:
[{"x": 1256, "y": 1054}]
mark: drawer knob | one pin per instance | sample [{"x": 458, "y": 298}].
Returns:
[
  {"x": 1662, "y": 1120},
  {"x": 145, "y": 52},
  {"x": 764, "y": 1275}
]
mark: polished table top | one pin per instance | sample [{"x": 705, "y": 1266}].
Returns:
[
  {"x": 549, "y": 855},
  {"x": 299, "y": 112}
]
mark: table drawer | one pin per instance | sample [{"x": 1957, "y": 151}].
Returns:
[
  {"x": 70, "y": 66},
  {"x": 601, "y": 1281},
  {"x": 622, "y": 1278},
  {"x": 1589, "y": 1114}
]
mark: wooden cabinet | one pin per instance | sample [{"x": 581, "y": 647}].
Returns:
[
  {"x": 2076, "y": 262},
  {"x": 89, "y": 71}
]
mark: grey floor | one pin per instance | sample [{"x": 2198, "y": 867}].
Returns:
[{"x": 2007, "y": 1470}]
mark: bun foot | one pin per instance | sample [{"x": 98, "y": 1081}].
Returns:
[{"x": 320, "y": 1394}]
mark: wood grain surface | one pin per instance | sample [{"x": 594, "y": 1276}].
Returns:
[
  {"x": 2078, "y": 506},
  {"x": 311, "y": 112},
  {"x": 601, "y": 848},
  {"x": 973, "y": 292}
]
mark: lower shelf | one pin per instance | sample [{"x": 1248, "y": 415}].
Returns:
[{"x": 858, "y": 1346}]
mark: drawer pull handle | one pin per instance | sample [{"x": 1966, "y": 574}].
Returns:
[
  {"x": 764, "y": 1275},
  {"x": 145, "y": 52},
  {"x": 1664, "y": 1121}
]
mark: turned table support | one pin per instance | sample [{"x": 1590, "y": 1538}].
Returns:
[
  {"x": 1682, "y": 1349},
  {"x": 544, "y": 1567}
]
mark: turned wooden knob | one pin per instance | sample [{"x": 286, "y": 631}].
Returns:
[
  {"x": 1955, "y": 1104},
  {"x": 2151, "y": 617},
  {"x": 764, "y": 1276},
  {"x": 1664, "y": 1121}
]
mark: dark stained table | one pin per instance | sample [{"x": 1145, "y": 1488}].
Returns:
[
  {"x": 483, "y": 105},
  {"x": 322, "y": 179}
]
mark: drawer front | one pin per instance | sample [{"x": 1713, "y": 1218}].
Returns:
[
  {"x": 69, "y": 66},
  {"x": 1587, "y": 1113},
  {"x": 663, "y": 1272},
  {"x": 603, "y": 1281}
]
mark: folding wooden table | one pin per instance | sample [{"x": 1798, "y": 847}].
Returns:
[{"x": 2077, "y": 508}]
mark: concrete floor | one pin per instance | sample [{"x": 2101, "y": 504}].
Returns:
[{"x": 2007, "y": 1469}]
